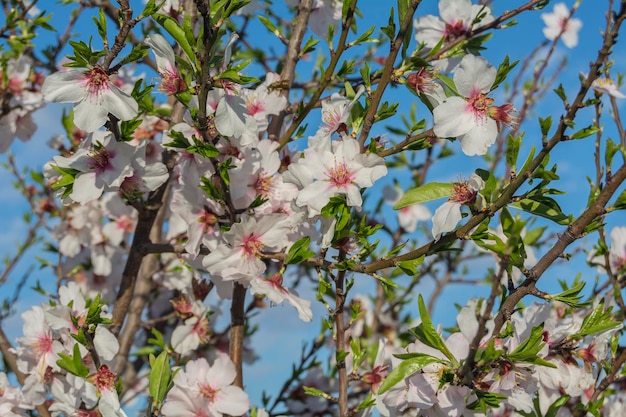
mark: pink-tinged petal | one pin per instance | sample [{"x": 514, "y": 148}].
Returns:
[
  {"x": 452, "y": 118},
  {"x": 474, "y": 75},
  {"x": 353, "y": 196},
  {"x": 480, "y": 138},
  {"x": 570, "y": 36},
  {"x": 315, "y": 195},
  {"x": 458, "y": 345},
  {"x": 65, "y": 87},
  {"x": 445, "y": 219},
  {"x": 232, "y": 401},
  {"x": 183, "y": 339}
]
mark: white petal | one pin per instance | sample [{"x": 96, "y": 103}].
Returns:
[
  {"x": 64, "y": 87},
  {"x": 446, "y": 217},
  {"x": 474, "y": 75},
  {"x": 106, "y": 343},
  {"x": 451, "y": 118},
  {"x": 479, "y": 138}
]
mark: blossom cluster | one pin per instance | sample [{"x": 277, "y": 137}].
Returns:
[{"x": 213, "y": 189}]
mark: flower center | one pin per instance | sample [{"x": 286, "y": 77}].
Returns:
[
  {"x": 208, "y": 392},
  {"x": 463, "y": 193},
  {"x": 171, "y": 83},
  {"x": 252, "y": 245},
  {"x": 340, "y": 175},
  {"x": 207, "y": 219},
  {"x": 263, "y": 183},
  {"x": 97, "y": 80},
  {"x": 454, "y": 30},
  {"x": 100, "y": 159},
  {"x": 104, "y": 379},
  {"x": 255, "y": 106}
]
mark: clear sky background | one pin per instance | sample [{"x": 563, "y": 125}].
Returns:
[{"x": 280, "y": 339}]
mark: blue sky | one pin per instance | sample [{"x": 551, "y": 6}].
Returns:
[{"x": 279, "y": 345}]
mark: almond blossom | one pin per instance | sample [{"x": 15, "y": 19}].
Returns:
[
  {"x": 273, "y": 289},
  {"x": 239, "y": 259},
  {"x": 457, "y": 18},
  {"x": 472, "y": 117},
  {"x": 607, "y": 86},
  {"x": 448, "y": 215},
  {"x": 102, "y": 164},
  {"x": 203, "y": 390},
  {"x": 558, "y": 23},
  {"x": 94, "y": 96},
  {"x": 171, "y": 82},
  {"x": 321, "y": 175}
]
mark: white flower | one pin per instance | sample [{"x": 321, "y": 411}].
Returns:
[
  {"x": 206, "y": 390},
  {"x": 273, "y": 289},
  {"x": 449, "y": 213},
  {"x": 171, "y": 82},
  {"x": 239, "y": 258},
  {"x": 103, "y": 165},
  {"x": 607, "y": 86},
  {"x": 558, "y": 24},
  {"x": 472, "y": 118},
  {"x": 94, "y": 95},
  {"x": 323, "y": 174},
  {"x": 457, "y": 18}
]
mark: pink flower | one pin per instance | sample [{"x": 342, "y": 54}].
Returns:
[
  {"x": 471, "y": 117},
  {"x": 94, "y": 95},
  {"x": 203, "y": 390},
  {"x": 558, "y": 23}
]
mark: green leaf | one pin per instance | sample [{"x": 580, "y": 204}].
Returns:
[
  {"x": 598, "y": 321},
  {"x": 428, "y": 192},
  {"x": 543, "y": 207},
  {"x": 545, "y": 125},
  {"x": 160, "y": 378},
  {"x": 73, "y": 364},
  {"x": 503, "y": 70},
  {"x": 390, "y": 29},
  {"x": 405, "y": 369},
  {"x": 172, "y": 27},
  {"x": 269, "y": 25},
  {"x": 527, "y": 350},
  {"x": 571, "y": 296},
  {"x": 315, "y": 392},
  {"x": 512, "y": 150},
  {"x": 365, "y": 37},
  {"x": 427, "y": 334},
  {"x": 410, "y": 267},
  {"x": 585, "y": 132},
  {"x": 299, "y": 251}
]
